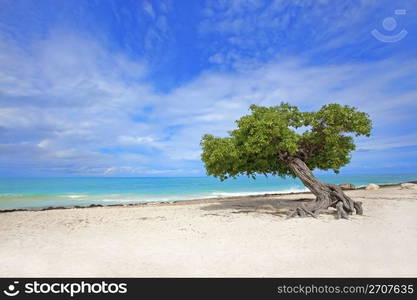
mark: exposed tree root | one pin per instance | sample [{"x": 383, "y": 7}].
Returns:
[
  {"x": 327, "y": 195},
  {"x": 333, "y": 197},
  {"x": 302, "y": 211}
]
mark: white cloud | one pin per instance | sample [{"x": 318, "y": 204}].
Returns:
[
  {"x": 44, "y": 143},
  {"x": 109, "y": 171},
  {"x": 149, "y": 9},
  {"x": 137, "y": 140},
  {"x": 385, "y": 143},
  {"x": 70, "y": 107}
]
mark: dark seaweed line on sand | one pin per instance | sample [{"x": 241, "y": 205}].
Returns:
[{"x": 178, "y": 201}]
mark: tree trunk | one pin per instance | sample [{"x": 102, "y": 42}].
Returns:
[{"x": 327, "y": 195}]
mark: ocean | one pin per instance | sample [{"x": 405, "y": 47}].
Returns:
[{"x": 18, "y": 193}]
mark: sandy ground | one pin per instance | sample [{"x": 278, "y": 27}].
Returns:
[{"x": 247, "y": 236}]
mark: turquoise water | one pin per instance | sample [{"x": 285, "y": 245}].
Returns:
[{"x": 45, "y": 192}]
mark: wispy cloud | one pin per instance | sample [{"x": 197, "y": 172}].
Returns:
[
  {"x": 323, "y": 31},
  {"x": 147, "y": 6},
  {"x": 70, "y": 104}
]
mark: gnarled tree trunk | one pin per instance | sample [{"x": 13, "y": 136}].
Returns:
[{"x": 327, "y": 195}]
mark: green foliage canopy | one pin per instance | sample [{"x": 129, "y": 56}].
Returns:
[{"x": 268, "y": 136}]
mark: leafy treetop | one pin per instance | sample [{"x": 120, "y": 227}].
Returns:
[{"x": 266, "y": 138}]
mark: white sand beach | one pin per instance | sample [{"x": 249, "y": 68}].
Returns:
[{"x": 246, "y": 236}]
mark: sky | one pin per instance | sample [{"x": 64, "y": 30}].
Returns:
[{"x": 127, "y": 88}]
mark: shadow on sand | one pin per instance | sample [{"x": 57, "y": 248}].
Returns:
[{"x": 279, "y": 207}]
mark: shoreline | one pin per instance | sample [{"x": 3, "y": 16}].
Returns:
[{"x": 185, "y": 202}]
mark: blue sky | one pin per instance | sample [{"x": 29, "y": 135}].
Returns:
[{"x": 127, "y": 88}]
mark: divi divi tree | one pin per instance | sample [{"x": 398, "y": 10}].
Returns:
[{"x": 282, "y": 140}]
